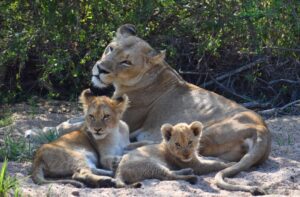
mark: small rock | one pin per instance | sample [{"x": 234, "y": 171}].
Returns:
[{"x": 75, "y": 193}]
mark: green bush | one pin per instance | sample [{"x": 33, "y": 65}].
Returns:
[{"x": 48, "y": 47}]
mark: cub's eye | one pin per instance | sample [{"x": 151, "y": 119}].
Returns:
[
  {"x": 91, "y": 117},
  {"x": 106, "y": 116},
  {"x": 126, "y": 62},
  {"x": 177, "y": 144},
  {"x": 190, "y": 142}
]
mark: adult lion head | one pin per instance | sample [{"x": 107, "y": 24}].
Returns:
[{"x": 125, "y": 60}]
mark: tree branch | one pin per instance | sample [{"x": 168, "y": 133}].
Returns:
[
  {"x": 283, "y": 80},
  {"x": 273, "y": 111},
  {"x": 240, "y": 69},
  {"x": 228, "y": 90}
]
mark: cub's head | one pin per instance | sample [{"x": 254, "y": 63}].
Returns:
[
  {"x": 102, "y": 114},
  {"x": 182, "y": 140},
  {"x": 125, "y": 60}
]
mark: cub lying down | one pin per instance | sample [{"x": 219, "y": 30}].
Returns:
[
  {"x": 175, "y": 158},
  {"x": 76, "y": 154}
]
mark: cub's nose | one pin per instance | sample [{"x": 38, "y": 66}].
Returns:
[{"x": 98, "y": 129}]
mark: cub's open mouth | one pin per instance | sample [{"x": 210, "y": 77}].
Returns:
[{"x": 187, "y": 160}]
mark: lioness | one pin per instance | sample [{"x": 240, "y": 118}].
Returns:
[
  {"x": 159, "y": 95},
  {"x": 76, "y": 154},
  {"x": 175, "y": 158}
]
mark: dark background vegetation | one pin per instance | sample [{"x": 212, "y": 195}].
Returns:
[{"x": 48, "y": 47}]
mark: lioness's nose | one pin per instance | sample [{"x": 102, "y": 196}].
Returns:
[{"x": 99, "y": 68}]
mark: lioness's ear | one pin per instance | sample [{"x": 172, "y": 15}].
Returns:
[
  {"x": 122, "y": 103},
  {"x": 159, "y": 57},
  {"x": 196, "y": 127},
  {"x": 166, "y": 130},
  {"x": 126, "y": 30},
  {"x": 86, "y": 97}
]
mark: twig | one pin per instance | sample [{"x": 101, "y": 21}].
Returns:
[
  {"x": 228, "y": 90},
  {"x": 284, "y": 80},
  {"x": 240, "y": 69},
  {"x": 255, "y": 104},
  {"x": 187, "y": 72},
  {"x": 273, "y": 111},
  {"x": 283, "y": 48}
]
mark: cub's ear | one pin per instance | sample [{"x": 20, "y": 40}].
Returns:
[
  {"x": 86, "y": 98},
  {"x": 196, "y": 127},
  {"x": 158, "y": 57},
  {"x": 122, "y": 103},
  {"x": 126, "y": 30},
  {"x": 166, "y": 130}
]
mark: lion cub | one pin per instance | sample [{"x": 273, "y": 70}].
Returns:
[
  {"x": 76, "y": 154},
  {"x": 175, "y": 158}
]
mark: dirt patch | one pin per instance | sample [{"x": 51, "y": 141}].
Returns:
[{"x": 280, "y": 174}]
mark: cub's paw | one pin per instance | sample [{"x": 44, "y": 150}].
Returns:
[
  {"x": 187, "y": 171},
  {"x": 106, "y": 182},
  {"x": 115, "y": 163},
  {"x": 137, "y": 185},
  {"x": 192, "y": 179},
  {"x": 230, "y": 164}
]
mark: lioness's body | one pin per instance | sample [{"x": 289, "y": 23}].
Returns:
[
  {"x": 175, "y": 158},
  {"x": 159, "y": 95},
  {"x": 76, "y": 154}
]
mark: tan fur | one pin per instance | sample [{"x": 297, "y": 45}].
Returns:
[
  {"x": 76, "y": 154},
  {"x": 159, "y": 95},
  {"x": 175, "y": 158}
]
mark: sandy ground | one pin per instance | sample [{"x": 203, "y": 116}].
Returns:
[{"x": 280, "y": 174}]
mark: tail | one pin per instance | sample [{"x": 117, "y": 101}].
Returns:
[
  {"x": 120, "y": 183},
  {"x": 38, "y": 178},
  {"x": 259, "y": 152}
]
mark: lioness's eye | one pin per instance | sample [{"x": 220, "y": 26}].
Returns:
[
  {"x": 91, "y": 117},
  {"x": 108, "y": 49},
  {"x": 177, "y": 144},
  {"x": 190, "y": 142},
  {"x": 126, "y": 62}
]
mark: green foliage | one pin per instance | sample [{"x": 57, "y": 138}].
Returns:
[
  {"x": 20, "y": 149},
  {"x": 47, "y": 137},
  {"x": 7, "y": 182},
  {"x": 6, "y": 119},
  {"x": 49, "y": 47},
  {"x": 15, "y": 149}
]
